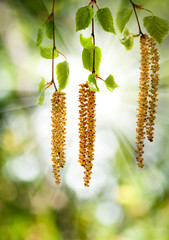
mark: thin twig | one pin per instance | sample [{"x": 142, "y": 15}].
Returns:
[
  {"x": 93, "y": 71},
  {"x": 54, "y": 46},
  {"x": 134, "y": 8}
]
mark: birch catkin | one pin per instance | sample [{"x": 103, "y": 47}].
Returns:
[
  {"x": 87, "y": 125},
  {"x": 153, "y": 93},
  {"x": 58, "y": 141},
  {"x": 91, "y": 126},
  {"x": 143, "y": 99},
  {"x": 83, "y": 123}
]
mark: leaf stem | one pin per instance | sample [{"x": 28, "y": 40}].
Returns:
[
  {"x": 54, "y": 45},
  {"x": 93, "y": 35},
  {"x": 100, "y": 78},
  {"x": 134, "y": 8},
  {"x": 141, "y": 8},
  {"x": 96, "y": 5},
  {"x": 48, "y": 84},
  {"x": 93, "y": 2},
  {"x": 62, "y": 54}
]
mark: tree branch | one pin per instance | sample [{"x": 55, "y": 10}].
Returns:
[
  {"x": 93, "y": 44},
  {"x": 54, "y": 46},
  {"x": 134, "y": 8}
]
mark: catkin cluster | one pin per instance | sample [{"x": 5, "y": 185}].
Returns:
[
  {"x": 87, "y": 125},
  {"x": 148, "y": 86},
  {"x": 58, "y": 141}
]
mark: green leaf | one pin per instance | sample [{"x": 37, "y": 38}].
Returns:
[
  {"x": 49, "y": 28},
  {"x": 128, "y": 40},
  {"x": 92, "y": 83},
  {"x": 46, "y": 52},
  {"x": 157, "y": 27},
  {"x": 84, "y": 17},
  {"x": 86, "y": 42},
  {"x": 41, "y": 90},
  {"x": 122, "y": 17},
  {"x": 110, "y": 83},
  {"x": 40, "y": 36},
  {"x": 105, "y": 19},
  {"x": 41, "y": 98},
  {"x": 42, "y": 85},
  {"x": 62, "y": 72},
  {"x": 87, "y": 58}
]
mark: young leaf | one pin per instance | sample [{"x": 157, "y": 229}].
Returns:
[
  {"x": 105, "y": 19},
  {"x": 62, "y": 72},
  {"x": 84, "y": 17},
  {"x": 46, "y": 52},
  {"x": 128, "y": 40},
  {"x": 40, "y": 36},
  {"x": 41, "y": 91},
  {"x": 110, "y": 83},
  {"x": 86, "y": 42},
  {"x": 157, "y": 27},
  {"x": 87, "y": 58},
  {"x": 41, "y": 98},
  {"x": 49, "y": 28},
  {"x": 122, "y": 17},
  {"x": 41, "y": 85},
  {"x": 92, "y": 83}
]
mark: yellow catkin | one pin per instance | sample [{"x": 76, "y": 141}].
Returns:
[
  {"x": 82, "y": 123},
  {"x": 143, "y": 99},
  {"x": 91, "y": 132},
  {"x": 58, "y": 141},
  {"x": 87, "y": 125},
  {"x": 153, "y": 93}
]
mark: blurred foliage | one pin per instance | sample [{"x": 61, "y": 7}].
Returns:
[{"x": 129, "y": 205}]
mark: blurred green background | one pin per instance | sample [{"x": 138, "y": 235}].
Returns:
[{"x": 123, "y": 202}]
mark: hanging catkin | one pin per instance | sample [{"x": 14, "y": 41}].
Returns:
[
  {"x": 153, "y": 93},
  {"x": 143, "y": 99},
  {"x": 58, "y": 141},
  {"x": 82, "y": 123},
  {"x": 91, "y": 132},
  {"x": 87, "y": 125}
]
